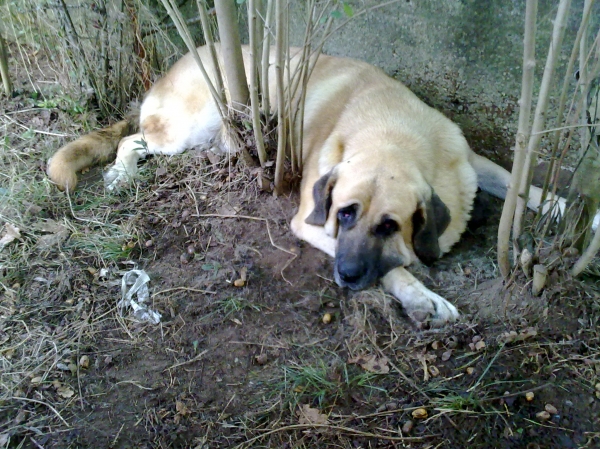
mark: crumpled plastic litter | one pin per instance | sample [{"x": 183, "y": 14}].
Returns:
[{"x": 135, "y": 282}]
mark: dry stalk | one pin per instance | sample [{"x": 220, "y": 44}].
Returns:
[
  {"x": 563, "y": 96},
  {"x": 184, "y": 32},
  {"x": 522, "y": 136},
  {"x": 588, "y": 254},
  {"x": 539, "y": 119}
]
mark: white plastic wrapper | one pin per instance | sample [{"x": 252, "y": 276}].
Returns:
[{"x": 135, "y": 282}]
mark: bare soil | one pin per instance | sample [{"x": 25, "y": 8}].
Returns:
[{"x": 244, "y": 366}]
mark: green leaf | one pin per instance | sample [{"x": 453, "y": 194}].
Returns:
[
  {"x": 28, "y": 134},
  {"x": 348, "y": 9},
  {"x": 336, "y": 14}
]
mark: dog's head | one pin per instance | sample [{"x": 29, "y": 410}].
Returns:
[{"x": 379, "y": 219}]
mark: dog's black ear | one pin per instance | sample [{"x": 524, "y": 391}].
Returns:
[
  {"x": 429, "y": 221},
  {"x": 322, "y": 198}
]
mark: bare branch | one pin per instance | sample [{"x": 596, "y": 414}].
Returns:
[{"x": 522, "y": 136}]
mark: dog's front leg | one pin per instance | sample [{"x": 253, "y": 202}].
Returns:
[
  {"x": 130, "y": 150},
  {"x": 420, "y": 303}
]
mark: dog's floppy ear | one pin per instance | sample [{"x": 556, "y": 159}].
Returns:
[
  {"x": 322, "y": 198},
  {"x": 430, "y": 220}
]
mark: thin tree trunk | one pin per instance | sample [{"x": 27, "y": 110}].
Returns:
[
  {"x": 73, "y": 41},
  {"x": 208, "y": 37},
  {"x": 4, "y": 68},
  {"x": 266, "y": 56},
  {"x": 231, "y": 52},
  {"x": 254, "y": 83},
  {"x": 539, "y": 118},
  {"x": 522, "y": 137},
  {"x": 281, "y": 116}
]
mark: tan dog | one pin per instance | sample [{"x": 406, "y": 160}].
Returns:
[{"x": 387, "y": 180}]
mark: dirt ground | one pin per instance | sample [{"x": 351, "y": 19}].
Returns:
[{"x": 286, "y": 360}]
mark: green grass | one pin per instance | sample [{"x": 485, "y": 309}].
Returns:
[
  {"x": 234, "y": 304},
  {"x": 326, "y": 384}
]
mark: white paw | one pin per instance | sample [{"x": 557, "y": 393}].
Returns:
[
  {"x": 430, "y": 309},
  {"x": 118, "y": 175}
]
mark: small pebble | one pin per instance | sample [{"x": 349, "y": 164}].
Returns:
[
  {"x": 543, "y": 415},
  {"x": 407, "y": 427},
  {"x": 149, "y": 243},
  {"x": 470, "y": 370},
  {"x": 326, "y": 318},
  {"x": 391, "y": 406},
  {"x": 551, "y": 409}
]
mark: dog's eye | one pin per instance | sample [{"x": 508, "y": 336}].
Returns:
[
  {"x": 347, "y": 215},
  {"x": 386, "y": 228}
]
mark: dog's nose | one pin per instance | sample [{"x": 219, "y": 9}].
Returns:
[{"x": 351, "y": 273}]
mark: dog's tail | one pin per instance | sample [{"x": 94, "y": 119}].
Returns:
[
  {"x": 87, "y": 151},
  {"x": 493, "y": 179}
]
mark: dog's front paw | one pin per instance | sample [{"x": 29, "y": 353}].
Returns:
[
  {"x": 432, "y": 310},
  {"x": 118, "y": 175}
]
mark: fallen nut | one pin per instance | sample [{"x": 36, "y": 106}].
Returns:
[
  {"x": 84, "y": 361},
  {"x": 434, "y": 371},
  {"x": 470, "y": 370},
  {"x": 551, "y": 409},
  {"x": 326, "y": 318},
  {"x": 239, "y": 283},
  {"x": 419, "y": 413},
  {"x": 543, "y": 415},
  {"x": 261, "y": 359},
  {"x": 529, "y": 396}
]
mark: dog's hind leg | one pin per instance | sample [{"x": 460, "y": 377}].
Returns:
[
  {"x": 420, "y": 303},
  {"x": 167, "y": 134}
]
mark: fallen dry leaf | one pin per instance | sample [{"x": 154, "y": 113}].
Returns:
[
  {"x": 309, "y": 415},
  {"x": 65, "y": 392},
  {"x": 11, "y": 233},
  {"x": 181, "y": 408},
  {"x": 372, "y": 363},
  {"x": 513, "y": 336}
]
